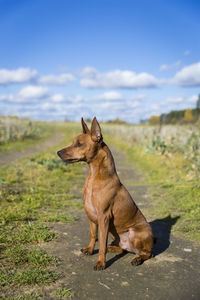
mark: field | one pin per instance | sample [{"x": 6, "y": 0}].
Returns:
[
  {"x": 170, "y": 159},
  {"x": 18, "y": 134},
  {"x": 27, "y": 208},
  {"x": 33, "y": 195}
]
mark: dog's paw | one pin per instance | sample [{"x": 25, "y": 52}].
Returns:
[
  {"x": 87, "y": 251},
  {"x": 137, "y": 261},
  {"x": 99, "y": 266}
]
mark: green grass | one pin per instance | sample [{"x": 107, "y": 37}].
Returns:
[
  {"x": 34, "y": 192},
  {"x": 25, "y": 233},
  {"x": 27, "y": 296},
  {"x": 27, "y": 277},
  {"x": 18, "y": 256},
  {"x": 173, "y": 191},
  {"x": 64, "y": 294},
  {"x": 43, "y": 132}
]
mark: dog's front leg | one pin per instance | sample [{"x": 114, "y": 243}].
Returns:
[
  {"x": 103, "y": 221},
  {"x": 93, "y": 238}
]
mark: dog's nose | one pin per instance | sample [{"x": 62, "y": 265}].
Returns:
[{"x": 59, "y": 153}]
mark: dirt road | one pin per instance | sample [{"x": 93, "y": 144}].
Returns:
[
  {"x": 173, "y": 274},
  {"x": 7, "y": 158}
]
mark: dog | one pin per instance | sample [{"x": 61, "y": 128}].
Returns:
[{"x": 107, "y": 203}]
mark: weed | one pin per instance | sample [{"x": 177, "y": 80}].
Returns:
[
  {"x": 36, "y": 257},
  {"x": 17, "y": 134},
  {"x": 52, "y": 164},
  {"x": 64, "y": 293},
  {"x": 27, "y": 296},
  {"x": 27, "y": 233},
  {"x": 158, "y": 146},
  {"x": 27, "y": 277},
  {"x": 58, "y": 217}
]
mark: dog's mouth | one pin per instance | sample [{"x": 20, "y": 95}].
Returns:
[{"x": 71, "y": 160}]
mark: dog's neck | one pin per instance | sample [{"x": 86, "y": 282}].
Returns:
[{"x": 103, "y": 165}]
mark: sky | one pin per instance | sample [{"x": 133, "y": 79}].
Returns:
[{"x": 64, "y": 59}]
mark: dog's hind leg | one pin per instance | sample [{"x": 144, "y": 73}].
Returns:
[
  {"x": 114, "y": 249},
  {"x": 93, "y": 238},
  {"x": 143, "y": 244},
  {"x": 140, "y": 259}
]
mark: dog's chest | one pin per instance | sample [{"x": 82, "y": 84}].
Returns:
[{"x": 90, "y": 200}]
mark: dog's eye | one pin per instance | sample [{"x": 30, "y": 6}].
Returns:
[{"x": 79, "y": 144}]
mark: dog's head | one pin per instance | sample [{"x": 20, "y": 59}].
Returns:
[{"x": 84, "y": 146}]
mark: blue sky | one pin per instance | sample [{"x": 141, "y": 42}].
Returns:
[{"x": 71, "y": 58}]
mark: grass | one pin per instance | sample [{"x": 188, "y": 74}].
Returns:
[
  {"x": 173, "y": 191},
  {"x": 18, "y": 134},
  {"x": 27, "y": 296},
  {"x": 27, "y": 277},
  {"x": 64, "y": 293},
  {"x": 34, "y": 192},
  {"x": 35, "y": 257},
  {"x": 25, "y": 233}
]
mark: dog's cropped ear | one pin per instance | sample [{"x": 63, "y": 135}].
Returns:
[
  {"x": 84, "y": 125},
  {"x": 96, "y": 131}
]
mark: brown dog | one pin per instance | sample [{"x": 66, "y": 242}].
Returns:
[{"x": 106, "y": 201}]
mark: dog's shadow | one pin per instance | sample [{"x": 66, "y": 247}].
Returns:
[{"x": 162, "y": 230}]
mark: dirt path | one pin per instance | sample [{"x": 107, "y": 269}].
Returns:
[
  {"x": 173, "y": 274},
  {"x": 7, "y": 158}
]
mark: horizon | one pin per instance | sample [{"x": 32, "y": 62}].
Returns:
[{"x": 105, "y": 58}]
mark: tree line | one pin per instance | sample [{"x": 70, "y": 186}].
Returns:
[{"x": 178, "y": 116}]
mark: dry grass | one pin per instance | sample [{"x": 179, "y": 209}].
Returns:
[{"x": 14, "y": 129}]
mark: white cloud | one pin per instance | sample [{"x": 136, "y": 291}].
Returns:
[
  {"x": 16, "y": 76},
  {"x": 58, "y": 98},
  {"x": 111, "y": 95},
  {"x": 166, "y": 67},
  {"x": 33, "y": 91},
  {"x": 61, "y": 79},
  {"x": 177, "y": 100},
  {"x": 139, "y": 97},
  {"x": 186, "y": 52},
  {"x": 6, "y": 98},
  {"x": 188, "y": 76},
  {"x": 133, "y": 104},
  {"x": 88, "y": 72},
  {"x": 91, "y": 78},
  {"x": 193, "y": 99}
]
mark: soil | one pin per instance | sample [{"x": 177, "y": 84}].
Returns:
[{"x": 11, "y": 157}]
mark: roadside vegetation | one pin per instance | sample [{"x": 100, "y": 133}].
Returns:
[
  {"x": 34, "y": 193},
  {"x": 169, "y": 156},
  {"x": 18, "y": 134}
]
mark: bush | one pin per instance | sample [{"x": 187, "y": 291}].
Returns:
[{"x": 14, "y": 128}]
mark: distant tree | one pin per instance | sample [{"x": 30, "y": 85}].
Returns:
[
  {"x": 198, "y": 104},
  {"x": 188, "y": 116},
  {"x": 143, "y": 121},
  {"x": 154, "y": 120},
  {"x": 173, "y": 117},
  {"x": 116, "y": 121},
  {"x": 88, "y": 120}
]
